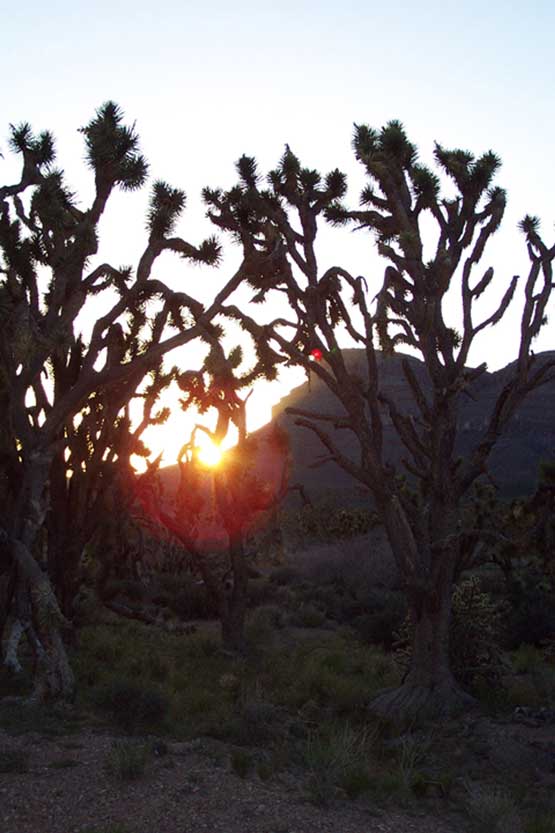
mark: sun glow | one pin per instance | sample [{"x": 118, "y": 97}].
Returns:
[{"x": 208, "y": 453}]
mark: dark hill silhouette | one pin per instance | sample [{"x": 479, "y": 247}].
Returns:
[{"x": 529, "y": 438}]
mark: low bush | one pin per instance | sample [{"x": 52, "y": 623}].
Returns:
[
  {"x": 336, "y": 757},
  {"x": 476, "y": 636},
  {"x": 388, "y": 611},
  {"x": 541, "y": 821},
  {"x": 126, "y": 761},
  {"x": 284, "y": 575},
  {"x": 192, "y": 601},
  {"x": 14, "y": 760},
  {"x": 308, "y": 616},
  {"x": 260, "y": 591},
  {"x": 132, "y": 705},
  {"x": 241, "y": 762},
  {"x": 324, "y": 521},
  {"x": 526, "y": 658},
  {"x": 492, "y": 809},
  {"x": 531, "y": 617},
  {"x": 130, "y": 588},
  {"x": 262, "y": 625}
]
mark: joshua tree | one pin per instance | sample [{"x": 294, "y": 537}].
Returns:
[
  {"x": 93, "y": 467},
  {"x": 48, "y": 370},
  {"x": 240, "y": 492},
  {"x": 277, "y": 228}
]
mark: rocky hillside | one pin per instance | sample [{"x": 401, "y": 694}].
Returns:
[
  {"x": 529, "y": 439},
  {"x": 514, "y": 464}
]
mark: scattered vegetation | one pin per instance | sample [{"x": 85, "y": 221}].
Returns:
[
  {"x": 126, "y": 760},
  {"x": 337, "y": 758},
  {"x": 132, "y": 705},
  {"x": 14, "y": 760},
  {"x": 492, "y": 809},
  {"x": 241, "y": 762},
  {"x": 476, "y": 636}
]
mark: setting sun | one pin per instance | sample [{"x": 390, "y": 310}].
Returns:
[{"x": 208, "y": 453}]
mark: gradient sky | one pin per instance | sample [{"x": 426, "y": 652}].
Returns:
[{"x": 208, "y": 82}]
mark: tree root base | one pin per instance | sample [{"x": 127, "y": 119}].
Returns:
[{"x": 411, "y": 704}]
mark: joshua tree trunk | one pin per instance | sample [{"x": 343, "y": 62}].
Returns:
[
  {"x": 41, "y": 619},
  {"x": 36, "y": 605},
  {"x": 63, "y": 565},
  {"x": 233, "y": 616},
  {"x": 429, "y": 688}
]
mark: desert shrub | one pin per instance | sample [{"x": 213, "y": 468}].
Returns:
[
  {"x": 544, "y": 683},
  {"x": 476, "y": 635},
  {"x": 492, "y": 809},
  {"x": 130, "y": 588},
  {"x": 388, "y": 611},
  {"x": 255, "y": 723},
  {"x": 336, "y": 677},
  {"x": 130, "y": 704},
  {"x": 336, "y": 757},
  {"x": 526, "y": 658},
  {"x": 308, "y": 616},
  {"x": 284, "y": 575},
  {"x": 323, "y": 521},
  {"x": 126, "y": 761},
  {"x": 158, "y": 667},
  {"x": 192, "y": 601},
  {"x": 356, "y": 568},
  {"x": 14, "y": 760},
  {"x": 241, "y": 762},
  {"x": 260, "y": 591},
  {"x": 355, "y": 780},
  {"x": 200, "y": 646},
  {"x": 263, "y": 623},
  {"x": 541, "y": 821},
  {"x": 531, "y": 617}
]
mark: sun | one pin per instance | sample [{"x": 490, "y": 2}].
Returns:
[{"x": 208, "y": 453}]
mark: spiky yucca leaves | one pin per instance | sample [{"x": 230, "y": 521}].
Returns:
[
  {"x": 166, "y": 205},
  {"x": 38, "y": 152},
  {"x": 257, "y": 217},
  {"x": 165, "y": 208},
  {"x": 113, "y": 149},
  {"x": 278, "y": 231},
  {"x": 53, "y": 205},
  {"x": 49, "y": 374},
  {"x": 405, "y": 187}
]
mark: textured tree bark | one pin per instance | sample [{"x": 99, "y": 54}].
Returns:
[
  {"x": 429, "y": 690},
  {"x": 36, "y": 605},
  {"x": 233, "y": 616},
  {"x": 11, "y": 659},
  {"x": 53, "y": 677}
]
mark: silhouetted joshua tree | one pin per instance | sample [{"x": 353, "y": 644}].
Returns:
[
  {"x": 277, "y": 227},
  {"x": 47, "y": 281},
  {"x": 241, "y": 494}
]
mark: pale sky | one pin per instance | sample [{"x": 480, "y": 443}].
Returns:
[{"x": 208, "y": 82}]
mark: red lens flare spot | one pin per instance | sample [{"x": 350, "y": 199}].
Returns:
[{"x": 316, "y": 354}]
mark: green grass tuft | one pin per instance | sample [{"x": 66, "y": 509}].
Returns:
[{"x": 126, "y": 761}]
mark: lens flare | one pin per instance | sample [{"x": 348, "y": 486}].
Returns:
[{"x": 208, "y": 453}]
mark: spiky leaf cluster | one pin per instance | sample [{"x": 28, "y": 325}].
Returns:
[
  {"x": 113, "y": 149},
  {"x": 37, "y": 150},
  {"x": 165, "y": 207}
]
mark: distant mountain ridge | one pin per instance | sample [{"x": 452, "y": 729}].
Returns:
[{"x": 529, "y": 438}]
